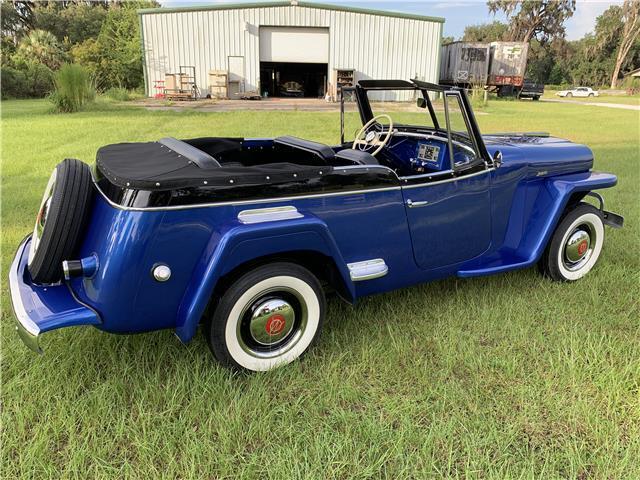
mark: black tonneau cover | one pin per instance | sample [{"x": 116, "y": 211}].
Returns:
[{"x": 155, "y": 166}]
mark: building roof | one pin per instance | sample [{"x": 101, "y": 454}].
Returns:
[{"x": 291, "y": 3}]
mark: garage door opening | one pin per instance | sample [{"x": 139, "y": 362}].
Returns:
[
  {"x": 284, "y": 79},
  {"x": 294, "y": 61}
]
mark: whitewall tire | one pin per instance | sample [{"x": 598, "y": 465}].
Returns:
[
  {"x": 575, "y": 246},
  {"x": 267, "y": 318}
]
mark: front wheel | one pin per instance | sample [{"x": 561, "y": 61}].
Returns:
[
  {"x": 267, "y": 318},
  {"x": 569, "y": 95},
  {"x": 575, "y": 246}
]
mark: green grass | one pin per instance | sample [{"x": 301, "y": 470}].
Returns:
[{"x": 498, "y": 377}]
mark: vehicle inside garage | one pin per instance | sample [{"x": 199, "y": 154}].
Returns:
[
  {"x": 288, "y": 79},
  {"x": 294, "y": 61}
]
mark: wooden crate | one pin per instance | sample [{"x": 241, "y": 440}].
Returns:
[{"x": 218, "y": 80}]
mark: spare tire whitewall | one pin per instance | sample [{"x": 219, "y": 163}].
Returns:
[
  {"x": 43, "y": 214},
  {"x": 576, "y": 245},
  {"x": 267, "y": 318}
]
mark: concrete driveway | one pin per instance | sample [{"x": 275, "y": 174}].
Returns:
[
  {"x": 594, "y": 104},
  {"x": 204, "y": 105}
]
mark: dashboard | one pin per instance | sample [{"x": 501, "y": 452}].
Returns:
[{"x": 416, "y": 154}]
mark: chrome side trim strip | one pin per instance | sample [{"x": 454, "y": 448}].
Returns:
[
  {"x": 448, "y": 180},
  {"x": 367, "y": 269},
  {"x": 272, "y": 214},
  {"x": 242, "y": 202}
]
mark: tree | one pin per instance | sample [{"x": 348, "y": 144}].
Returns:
[
  {"x": 17, "y": 18},
  {"x": 119, "y": 41},
  {"x": 485, "y": 32},
  {"x": 40, "y": 47},
  {"x": 114, "y": 58},
  {"x": 73, "y": 23},
  {"x": 541, "y": 19},
  {"x": 617, "y": 30},
  {"x": 446, "y": 40}
]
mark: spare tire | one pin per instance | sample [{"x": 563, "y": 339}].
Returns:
[{"x": 61, "y": 217}]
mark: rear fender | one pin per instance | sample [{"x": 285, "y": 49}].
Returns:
[{"x": 242, "y": 243}]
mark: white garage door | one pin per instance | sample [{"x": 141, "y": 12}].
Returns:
[{"x": 294, "y": 44}]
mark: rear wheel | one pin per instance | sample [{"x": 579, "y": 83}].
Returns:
[
  {"x": 575, "y": 246},
  {"x": 267, "y": 318},
  {"x": 536, "y": 98},
  {"x": 60, "y": 219}
]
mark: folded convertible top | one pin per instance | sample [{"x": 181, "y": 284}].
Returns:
[{"x": 158, "y": 166}]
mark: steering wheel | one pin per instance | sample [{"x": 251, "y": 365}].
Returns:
[{"x": 368, "y": 138}]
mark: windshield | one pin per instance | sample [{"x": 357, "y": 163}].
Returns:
[{"x": 402, "y": 107}]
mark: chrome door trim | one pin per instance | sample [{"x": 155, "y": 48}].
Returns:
[{"x": 411, "y": 204}]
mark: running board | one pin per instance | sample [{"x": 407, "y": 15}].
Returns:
[{"x": 367, "y": 270}]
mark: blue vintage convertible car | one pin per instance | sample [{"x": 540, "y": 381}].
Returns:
[{"x": 245, "y": 236}]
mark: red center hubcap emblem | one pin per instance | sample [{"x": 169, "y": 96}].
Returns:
[
  {"x": 582, "y": 247},
  {"x": 275, "y": 324}
]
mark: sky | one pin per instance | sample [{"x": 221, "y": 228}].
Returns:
[{"x": 457, "y": 13}]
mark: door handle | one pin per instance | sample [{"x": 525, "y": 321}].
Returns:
[{"x": 412, "y": 204}]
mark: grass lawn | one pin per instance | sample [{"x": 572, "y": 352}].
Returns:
[
  {"x": 504, "y": 376},
  {"x": 623, "y": 99}
]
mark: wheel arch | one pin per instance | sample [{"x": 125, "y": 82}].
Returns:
[
  {"x": 323, "y": 267},
  {"x": 570, "y": 191},
  {"x": 306, "y": 241}
]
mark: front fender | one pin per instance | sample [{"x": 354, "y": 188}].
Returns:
[
  {"x": 534, "y": 233},
  {"x": 550, "y": 205},
  {"x": 245, "y": 242}
]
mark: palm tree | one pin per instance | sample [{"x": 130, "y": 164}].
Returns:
[{"x": 42, "y": 47}]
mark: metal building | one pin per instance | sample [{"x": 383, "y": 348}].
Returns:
[{"x": 287, "y": 47}]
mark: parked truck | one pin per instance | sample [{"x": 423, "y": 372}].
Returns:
[{"x": 498, "y": 66}]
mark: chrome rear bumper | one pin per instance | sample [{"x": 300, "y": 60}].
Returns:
[{"x": 41, "y": 308}]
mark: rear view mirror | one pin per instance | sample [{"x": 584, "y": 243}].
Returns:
[{"x": 421, "y": 103}]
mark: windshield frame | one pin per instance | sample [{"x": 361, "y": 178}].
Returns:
[{"x": 473, "y": 138}]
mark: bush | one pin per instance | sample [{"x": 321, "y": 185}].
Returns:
[
  {"x": 13, "y": 83},
  {"x": 73, "y": 88},
  {"x": 39, "y": 80},
  {"x": 118, "y": 93},
  {"x": 32, "y": 80}
]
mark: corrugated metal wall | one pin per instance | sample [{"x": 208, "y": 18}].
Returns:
[{"x": 375, "y": 46}]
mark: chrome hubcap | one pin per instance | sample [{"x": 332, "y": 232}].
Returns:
[
  {"x": 579, "y": 247},
  {"x": 272, "y": 323}
]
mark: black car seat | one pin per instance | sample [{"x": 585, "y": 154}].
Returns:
[
  {"x": 323, "y": 152},
  {"x": 356, "y": 157}
]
